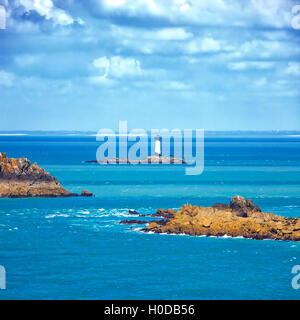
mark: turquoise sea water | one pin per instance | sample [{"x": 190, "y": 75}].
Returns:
[{"x": 74, "y": 248}]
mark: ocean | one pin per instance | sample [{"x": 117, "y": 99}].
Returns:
[{"x": 75, "y": 248}]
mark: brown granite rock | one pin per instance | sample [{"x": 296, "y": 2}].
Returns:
[
  {"x": 19, "y": 179},
  {"x": 241, "y": 218},
  {"x": 221, "y": 206}
]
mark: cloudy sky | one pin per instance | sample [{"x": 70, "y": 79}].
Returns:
[{"x": 212, "y": 64}]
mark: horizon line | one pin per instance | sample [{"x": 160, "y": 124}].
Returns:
[{"x": 82, "y": 130}]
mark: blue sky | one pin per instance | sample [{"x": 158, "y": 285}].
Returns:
[{"x": 211, "y": 64}]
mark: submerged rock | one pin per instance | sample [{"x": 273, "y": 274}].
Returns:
[
  {"x": 133, "y": 222},
  {"x": 86, "y": 193},
  {"x": 20, "y": 179},
  {"x": 240, "y": 219},
  {"x": 133, "y": 212}
]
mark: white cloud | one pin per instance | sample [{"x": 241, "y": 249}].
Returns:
[
  {"x": 167, "y": 85},
  {"x": 293, "y": 69},
  {"x": 210, "y": 45},
  {"x": 175, "y": 85},
  {"x": 263, "y": 49},
  {"x": 207, "y": 44},
  {"x": 275, "y": 13},
  {"x": 47, "y": 9},
  {"x": 115, "y": 3},
  {"x": 6, "y": 78},
  {"x": 103, "y": 81},
  {"x": 149, "y": 41},
  {"x": 244, "y": 65},
  {"x": 172, "y": 34},
  {"x": 118, "y": 67},
  {"x": 111, "y": 72},
  {"x": 155, "y": 34},
  {"x": 190, "y": 42}
]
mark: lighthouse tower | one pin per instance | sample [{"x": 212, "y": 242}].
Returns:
[{"x": 158, "y": 146}]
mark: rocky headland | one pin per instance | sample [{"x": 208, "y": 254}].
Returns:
[
  {"x": 20, "y": 179},
  {"x": 239, "y": 218}
]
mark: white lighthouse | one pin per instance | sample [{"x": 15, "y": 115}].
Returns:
[{"x": 158, "y": 146}]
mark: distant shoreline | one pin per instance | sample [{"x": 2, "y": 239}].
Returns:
[{"x": 13, "y": 134}]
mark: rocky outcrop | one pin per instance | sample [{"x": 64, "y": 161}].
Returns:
[
  {"x": 164, "y": 213},
  {"x": 19, "y": 179},
  {"x": 243, "y": 207},
  {"x": 241, "y": 218}
]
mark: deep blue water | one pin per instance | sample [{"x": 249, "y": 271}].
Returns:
[{"x": 74, "y": 248}]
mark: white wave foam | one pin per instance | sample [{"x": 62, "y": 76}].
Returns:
[
  {"x": 51, "y": 216},
  {"x": 126, "y": 215},
  {"x": 84, "y": 211}
]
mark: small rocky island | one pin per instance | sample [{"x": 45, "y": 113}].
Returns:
[
  {"x": 241, "y": 218},
  {"x": 155, "y": 159},
  {"x": 20, "y": 179}
]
